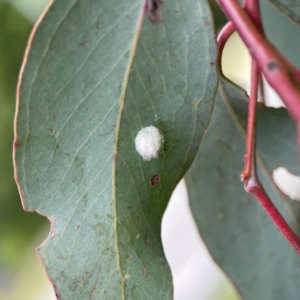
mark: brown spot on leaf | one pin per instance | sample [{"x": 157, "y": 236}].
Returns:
[
  {"x": 16, "y": 144},
  {"x": 129, "y": 256},
  {"x": 146, "y": 240},
  {"x": 153, "y": 9},
  {"x": 85, "y": 44},
  {"x": 154, "y": 179},
  {"x": 144, "y": 272}
]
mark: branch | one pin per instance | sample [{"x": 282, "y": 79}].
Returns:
[
  {"x": 249, "y": 174},
  {"x": 280, "y": 74},
  {"x": 223, "y": 37},
  {"x": 253, "y": 186},
  {"x": 252, "y": 9}
]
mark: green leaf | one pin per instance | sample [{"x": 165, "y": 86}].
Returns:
[
  {"x": 240, "y": 236},
  {"x": 14, "y": 235},
  {"x": 276, "y": 27},
  {"x": 290, "y": 8},
  {"x": 219, "y": 18},
  {"x": 97, "y": 73}
]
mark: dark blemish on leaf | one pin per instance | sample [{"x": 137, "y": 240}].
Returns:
[
  {"x": 212, "y": 64},
  {"x": 146, "y": 240},
  {"x": 129, "y": 256},
  {"x": 85, "y": 44},
  {"x": 16, "y": 144},
  {"x": 54, "y": 116},
  {"x": 79, "y": 227},
  {"x": 271, "y": 66},
  {"x": 154, "y": 180},
  {"x": 144, "y": 272},
  {"x": 153, "y": 9}
]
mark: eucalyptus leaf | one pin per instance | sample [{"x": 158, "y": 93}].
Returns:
[
  {"x": 98, "y": 72},
  {"x": 276, "y": 27},
  {"x": 290, "y": 8},
  {"x": 219, "y": 18},
  {"x": 240, "y": 236}
]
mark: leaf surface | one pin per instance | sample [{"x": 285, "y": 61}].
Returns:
[
  {"x": 240, "y": 236},
  {"x": 276, "y": 27},
  {"x": 290, "y": 8},
  {"x": 98, "y": 72}
]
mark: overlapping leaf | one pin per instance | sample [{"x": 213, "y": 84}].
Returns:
[
  {"x": 14, "y": 33},
  {"x": 237, "y": 231},
  {"x": 282, "y": 33},
  {"x": 291, "y": 8},
  {"x": 98, "y": 72}
]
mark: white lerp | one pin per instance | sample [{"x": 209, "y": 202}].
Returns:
[{"x": 148, "y": 142}]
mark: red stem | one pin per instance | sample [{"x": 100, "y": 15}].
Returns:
[
  {"x": 223, "y": 37},
  {"x": 258, "y": 191},
  {"x": 252, "y": 9},
  {"x": 279, "y": 73},
  {"x": 250, "y": 163},
  {"x": 249, "y": 174}
]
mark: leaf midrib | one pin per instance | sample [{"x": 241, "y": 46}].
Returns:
[{"x": 115, "y": 151}]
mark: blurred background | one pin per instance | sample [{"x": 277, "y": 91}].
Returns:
[{"x": 196, "y": 277}]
